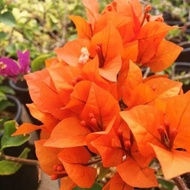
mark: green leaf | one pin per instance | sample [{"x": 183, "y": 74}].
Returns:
[
  {"x": 2, "y": 96},
  {"x": 11, "y": 49},
  {"x": 4, "y": 104},
  {"x": 3, "y": 35},
  {"x": 8, "y": 18},
  {"x": 9, "y": 167},
  {"x": 2, "y": 5},
  {"x": 28, "y": 34},
  {"x": 7, "y": 90},
  {"x": 96, "y": 186},
  {"x": 12, "y": 141},
  {"x": 166, "y": 184},
  {"x": 39, "y": 63}
]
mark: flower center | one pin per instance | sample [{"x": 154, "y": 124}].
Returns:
[
  {"x": 92, "y": 124},
  {"x": 167, "y": 135},
  {"x": 100, "y": 55},
  {"x": 84, "y": 55},
  {"x": 126, "y": 144},
  {"x": 2, "y": 65}
]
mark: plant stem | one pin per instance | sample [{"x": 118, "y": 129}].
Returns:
[
  {"x": 21, "y": 160},
  {"x": 95, "y": 161},
  {"x": 180, "y": 183},
  {"x": 186, "y": 76}
]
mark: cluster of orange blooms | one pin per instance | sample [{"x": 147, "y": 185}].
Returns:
[{"x": 96, "y": 107}]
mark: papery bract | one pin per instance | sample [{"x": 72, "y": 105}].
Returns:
[
  {"x": 117, "y": 182},
  {"x": 74, "y": 160},
  {"x": 166, "y": 133},
  {"x": 143, "y": 121},
  {"x": 68, "y": 133},
  {"x": 84, "y": 29},
  {"x": 92, "y": 9},
  {"x": 47, "y": 157}
]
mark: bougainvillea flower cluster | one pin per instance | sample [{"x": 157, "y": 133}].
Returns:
[
  {"x": 11, "y": 68},
  {"x": 97, "y": 108}
]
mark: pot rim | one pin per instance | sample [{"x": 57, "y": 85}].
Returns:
[
  {"x": 16, "y": 87},
  {"x": 17, "y": 104}
]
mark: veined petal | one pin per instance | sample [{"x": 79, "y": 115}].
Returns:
[
  {"x": 68, "y": 133},
  {"x": 144, "y": 120},
  {"x": 174, "y": 163},
  {"x": 137, "y": 175}
]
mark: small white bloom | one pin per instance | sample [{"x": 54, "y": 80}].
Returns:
[
  {"x": 84, "y": 55},
  {"x": 2, "y": 65}
]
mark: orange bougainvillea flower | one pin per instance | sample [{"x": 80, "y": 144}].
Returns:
[
  {"x": 48, "y": 158},
  {"x": 92, "y": 9},
  {"x": 62, "y": 137},
  {"x": 43, "y": 93},
  {"x": 120, "y": 150},
  {"x": 66, "y": 184},
  {"x": 75, "y": 161},
  {"x": 95, "y": 106},
  {"x": 156, "y": 90},
  {"x": 129, "y": 77},
  {"x": 74, "y": 53},
  {"x": 134, "y": 90},
  {"x": 106, "y": 44},
  {"x": 125, "y": 7},
  {"x": 109, "y": 47},
  {"x": 116, "y": 182},
  {"x": 153, "y": 50},
  {"x": 84, "y": 29},
  {"x": 165, "y": 134},
  {"x": 64, "y": 78},
  {"x": 163, "y": 57}
]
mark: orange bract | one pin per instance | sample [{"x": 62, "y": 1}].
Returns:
[
  {"x": 74, "y": 160},
  {"x": 62, "y": 136},
  {"x": 167, "y": 133},
  {"x": 153, "y": 51},
  {"x": 116, "y": 182}
]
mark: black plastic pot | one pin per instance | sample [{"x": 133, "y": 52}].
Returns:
[
  {"x": 21, "y": 90},
  {"x": 184, "y": 56},
  {"x": 13, "y": 112},
  {"x": 16, "y": 109},
  {"x": 26, "y": 178},
  {"x": 171, "y": 20}
]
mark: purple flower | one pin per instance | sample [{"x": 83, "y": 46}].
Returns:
[
  {"x": 12, "y": 68},
  {"x": 24, "y": 61}
]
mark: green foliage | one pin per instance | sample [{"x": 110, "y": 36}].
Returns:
[
  {"x": 166, "y": 184},
  {"x": 8, "y": 167},
  {"x": 39, "y": 62},
  {"x": 96, "y": 186},
  {"x": 6, "y": 90},
  {"x": 8, "y": 18},
  {"x": 12, "y": 141},
  {"x": 4, "y": 102},
  {"x": 39, "y": 26}
]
